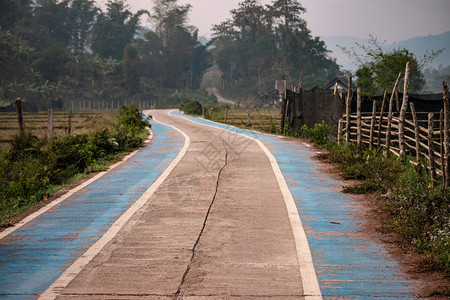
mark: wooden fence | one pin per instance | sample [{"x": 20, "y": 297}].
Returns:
[{"x": 424, "y": 137}]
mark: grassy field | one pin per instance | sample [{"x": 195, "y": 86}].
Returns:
[
  {"x": 34, "y": 168},
  {"x": 37, "y": 124},
  {"x": 260, "y": 119}
]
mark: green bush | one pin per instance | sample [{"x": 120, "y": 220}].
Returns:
[
  {"x": 191, "y": 107},
  {"x": 419, "y": 207},
  {"x": 320, "y": 134},
  {"x": 130, "y": 128},
  {"x": 32, "y": 169},
  {"x": 175, "y": 99},
  {"x": 288, "y": 131}
]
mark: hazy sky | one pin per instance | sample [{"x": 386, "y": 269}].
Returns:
[{"x": 391, "y": 20}]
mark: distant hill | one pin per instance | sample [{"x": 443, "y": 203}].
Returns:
[{"x": 418, "y": 45}]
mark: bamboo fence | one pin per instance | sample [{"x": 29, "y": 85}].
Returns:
[{"x": 424, "y": 137}]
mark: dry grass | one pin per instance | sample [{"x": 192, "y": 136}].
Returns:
[
  {"x": 37, "y": 123},
  {"x": 260, "y": 119}
]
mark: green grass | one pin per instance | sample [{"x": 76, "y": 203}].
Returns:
[{"x": 419, "y": 207}]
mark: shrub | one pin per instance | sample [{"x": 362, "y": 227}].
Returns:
[
  {"x": 130, "y": 128},
  {"x": 288, "y": 131},
  {"x": 320, "y": 134},
  {"x": 191, "y": 107},
  {"x": 32, "y": 169},
  {"x": 419, "y": 207}
]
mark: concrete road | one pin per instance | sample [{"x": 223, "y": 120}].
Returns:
[
  {"x": 203, "y": 212},
  {"x": 217, "y": 227}
]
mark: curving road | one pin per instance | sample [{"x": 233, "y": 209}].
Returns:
[
  {"x": 220, "y": 99},
  {"x": 204, "y": 211}
]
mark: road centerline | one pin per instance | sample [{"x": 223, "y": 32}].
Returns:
[{"x": 309, "y": 279}]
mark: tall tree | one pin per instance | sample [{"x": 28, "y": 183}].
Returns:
[
  {"x": 380, "y": 66},
  {"x": 132, "y": 67},
  {"x": 82, "y": 15},
  {"x": 175, "y": 52},
  {"x": 13, "y": 12},
  {"x": 115, "y": 29},
  {"x": 52, "y": 22},
  {"x": 260, "y": 44},
  {"x": 17, "y": 79}
]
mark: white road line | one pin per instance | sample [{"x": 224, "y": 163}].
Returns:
[
  {"x": 310, "y": 283},
  {"x": 63, "y": 281}
]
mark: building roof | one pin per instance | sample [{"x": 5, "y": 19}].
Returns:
[{"x": 342, "y": 82}]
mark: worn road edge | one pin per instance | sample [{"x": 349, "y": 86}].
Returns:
[
  {"x": 54, "y": 290},
  {"x": 55, "y": 202},
  {"x": 311, "y": 288}
]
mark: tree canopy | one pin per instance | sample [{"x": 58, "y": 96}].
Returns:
[
  {"x": 82, "y": 51},
  {"x": 260, "y": 44},
  {"x": 380, "y": 66},
  {"x": 93, "y": 53}
]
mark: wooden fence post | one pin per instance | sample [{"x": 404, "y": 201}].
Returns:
[
  {"x": 446, "y": 133},
  {"x": 372, "y": 123},
  {"x": 348, "y": 109},
  {"x": 226, "y": 115},
  {"x": 339, "y": 137},
  {"x": 358, "y": 116},
  {"x": 50, "y": 123},
  {"x": 283, "y": 113},
  {"x": 401, "y": 128},
  {"x": 283, "y": 106},
  {"x": 430, "y": 145},
  {"x": 248, "y": 119},
  {"x": 70, "y": 122},
  {"x": 19, "y": 112},
  {"x": 417, "y": 136},
  {"x": 388, "y": 130},
  {"x": 380, "y": 122},
  {"x": 441, "y": 142}
]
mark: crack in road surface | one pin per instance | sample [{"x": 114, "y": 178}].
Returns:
[{"x": 186, "y": 272}]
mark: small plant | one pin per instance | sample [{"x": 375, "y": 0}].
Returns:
[
  {"x": 272, "y": 128},
  {"x": 419, "y": 207},
  {"x": 288, "y": 131},
  {"x": 32, "y": 169},
  {"x": 320, "y": 134},
  {"x": 191, "y": 107}
]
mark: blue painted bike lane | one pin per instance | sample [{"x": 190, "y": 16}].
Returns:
[
  {"x": 347, "y": 265},
  {"x": 35, "y": 255}
]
